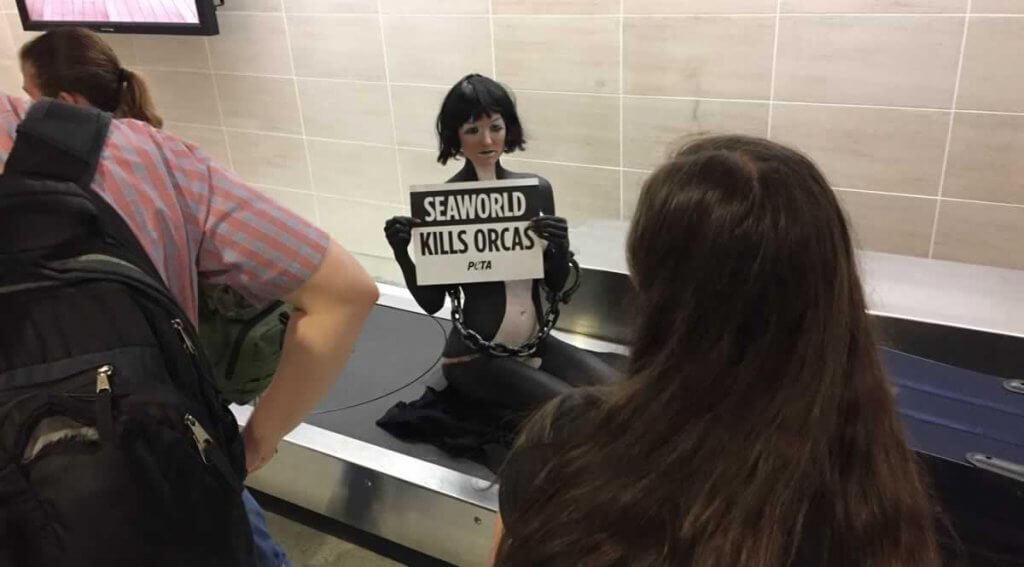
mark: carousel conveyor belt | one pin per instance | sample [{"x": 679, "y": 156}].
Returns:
[{"x": 340, "y": 464}]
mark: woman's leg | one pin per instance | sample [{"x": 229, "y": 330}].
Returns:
[
  {"x": 575, "y": 366},
  {"x": 503, "y": 382}
]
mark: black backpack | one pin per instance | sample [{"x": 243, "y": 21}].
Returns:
[{"x": 115, "y": 448}]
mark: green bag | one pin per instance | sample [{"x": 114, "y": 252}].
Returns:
[{"x": 243, "y": 341}]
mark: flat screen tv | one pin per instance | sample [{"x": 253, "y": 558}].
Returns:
[{"x": 184, "y": 17}]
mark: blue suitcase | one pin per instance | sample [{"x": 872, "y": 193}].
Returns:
[{"x": 968, "y": 430}]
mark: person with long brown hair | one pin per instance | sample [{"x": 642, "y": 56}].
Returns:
[
  {"x": 76, "y": 66},
  {"x": 757, "y": 427}
]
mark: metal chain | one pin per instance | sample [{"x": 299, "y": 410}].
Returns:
[{"x": 551, "y": 314}]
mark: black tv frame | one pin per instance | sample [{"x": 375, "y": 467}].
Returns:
[{"x": 205, "y": 8}]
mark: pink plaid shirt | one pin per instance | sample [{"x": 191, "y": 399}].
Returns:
[{"x": 196, "y": 220}]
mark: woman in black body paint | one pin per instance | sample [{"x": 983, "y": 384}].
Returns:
[{"x": 478, "y": 121}]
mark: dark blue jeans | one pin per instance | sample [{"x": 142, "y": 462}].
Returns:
[{"x": 268, "y": 553}]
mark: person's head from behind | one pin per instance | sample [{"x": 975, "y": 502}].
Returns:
[
  {"x": 757, "y": 425},
  {"x": 478, "y": 119},
  {"x": 75, "y": 65}
]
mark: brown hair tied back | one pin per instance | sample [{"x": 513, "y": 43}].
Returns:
[{"x": 78, "y": 61}]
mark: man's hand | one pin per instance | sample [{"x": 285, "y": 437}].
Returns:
[{"x": 330, "y": 309}]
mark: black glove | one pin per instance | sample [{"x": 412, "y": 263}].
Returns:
[
  {"x": 555, "y": 230},
  {"x": 399, "y": 232}
]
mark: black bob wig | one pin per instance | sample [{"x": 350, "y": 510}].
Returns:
[{"x": 471, "y": 98}]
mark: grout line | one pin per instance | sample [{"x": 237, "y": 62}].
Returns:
[
  {"x": 645, "y": 15},
  {"x": 576, "y": 94},
  {"x": 402, "y": 197},
  {"x": 973, "y": 201},
  {"x": 887, "y": 193},
  {"x": 932, "y": 197},
  {"x": 302, "y": 118},
  {"x": 220, "y": 109},
  {"x": 775, "y": 60},
  {"x": 949, "y": 131},
  {"x": 622, "y": 110},
  {"x": 494, "y": 54}
]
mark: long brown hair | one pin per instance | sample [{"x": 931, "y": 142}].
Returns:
[
  {"x": 78, "y": 61},
  {"x": 757, "y": 427}
]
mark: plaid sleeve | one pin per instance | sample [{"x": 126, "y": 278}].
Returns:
[{"x": 248, "y": 240}]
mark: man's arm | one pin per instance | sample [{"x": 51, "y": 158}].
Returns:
[{"x": 330, "y": 309}]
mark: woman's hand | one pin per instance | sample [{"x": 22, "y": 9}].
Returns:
[
  {"x": 555, "y": 230},
  {"x": 399, "y": 232}
]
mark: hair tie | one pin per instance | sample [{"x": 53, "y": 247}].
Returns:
[{"x": 122, "y": 75}]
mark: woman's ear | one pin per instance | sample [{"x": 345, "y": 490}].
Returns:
[{"x": 72, "y": 98}]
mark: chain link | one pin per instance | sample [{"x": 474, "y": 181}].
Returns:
[{"x": 551, "y": 314}]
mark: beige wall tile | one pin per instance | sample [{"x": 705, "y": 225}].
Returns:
[
  {"x": 18, "y": 35},
  {"x": 985, "y": 158},
  {"x": 211, "y": 140},
  {"x": 654, "y": 127},
  {"x": 416, "y": 110},
  {"x": 183, "y": 96},
  {"x": 252, "y": 6},
  {"x": 632, "y": 183},
  {"x": 997, "y": 7},
  {"x": 330, "y": 6},
  {"x": 896, "y": 151},
  {"x": 251, "y": 43},
  {"x": 8, "y": 49},
  {"x": 346, "y": 111},
  {"x": 172, "y": 52},
  {"x": 717, "y": 57},
  {"x": 582, "y": 129},
  {"x": 354, "y": 170},
  {"x": 266, "y": 159},
  {"x": 875, "y": 6},
  {"x": 884, "y": 60},
  {"x": 980, "y": 233},
  {"x": 434, "y": 7},
  {"x": 581, "y": 193},
  {"x": 437, "y": 50},
  {"x": 337, "y": 47},
  {"x": 890, "y": 223},
  {"x": 543, "y": 7},
  {"x": 573, "y": 54},
  {"x": 992, "y": 77},
  {"x": 266, "y": 104},
  {"x": 420, "y": 167},
  {"x": 11, "y": 80},
  {"x": 302, "y": 204},
  {"x": 699, "y": 6},
  {"x": 358, "y": 226},
  {"x": 124, "y": 47}
]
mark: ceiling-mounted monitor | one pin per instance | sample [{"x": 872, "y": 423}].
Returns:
[{"x": 183, "y": 17}]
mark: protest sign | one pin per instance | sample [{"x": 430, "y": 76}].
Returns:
[{"x": 476, "y": 231}]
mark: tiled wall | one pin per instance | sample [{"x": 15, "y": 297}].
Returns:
[{"x": 914, "y": 108}]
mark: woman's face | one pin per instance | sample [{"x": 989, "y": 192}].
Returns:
[{"x": 483, "y": 140}]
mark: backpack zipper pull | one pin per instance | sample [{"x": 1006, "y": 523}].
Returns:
[
  {"x": 103, "y": 374},
  {"x": 199, "y": 435},
  {"x": 180, "y": 327},
  {"x": 104, "y": 405}
]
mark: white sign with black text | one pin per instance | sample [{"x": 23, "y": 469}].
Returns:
[{"x": 476, "y": 231}]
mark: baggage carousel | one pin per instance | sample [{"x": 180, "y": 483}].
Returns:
[{"x": 960, "y": 391}]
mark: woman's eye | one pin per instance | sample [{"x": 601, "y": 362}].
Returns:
[
  {"x": 470, "y": 131},
  {"x": 497, "y": 128}
]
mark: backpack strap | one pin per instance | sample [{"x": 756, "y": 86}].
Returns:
[{"x": 64, "y": 142}]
